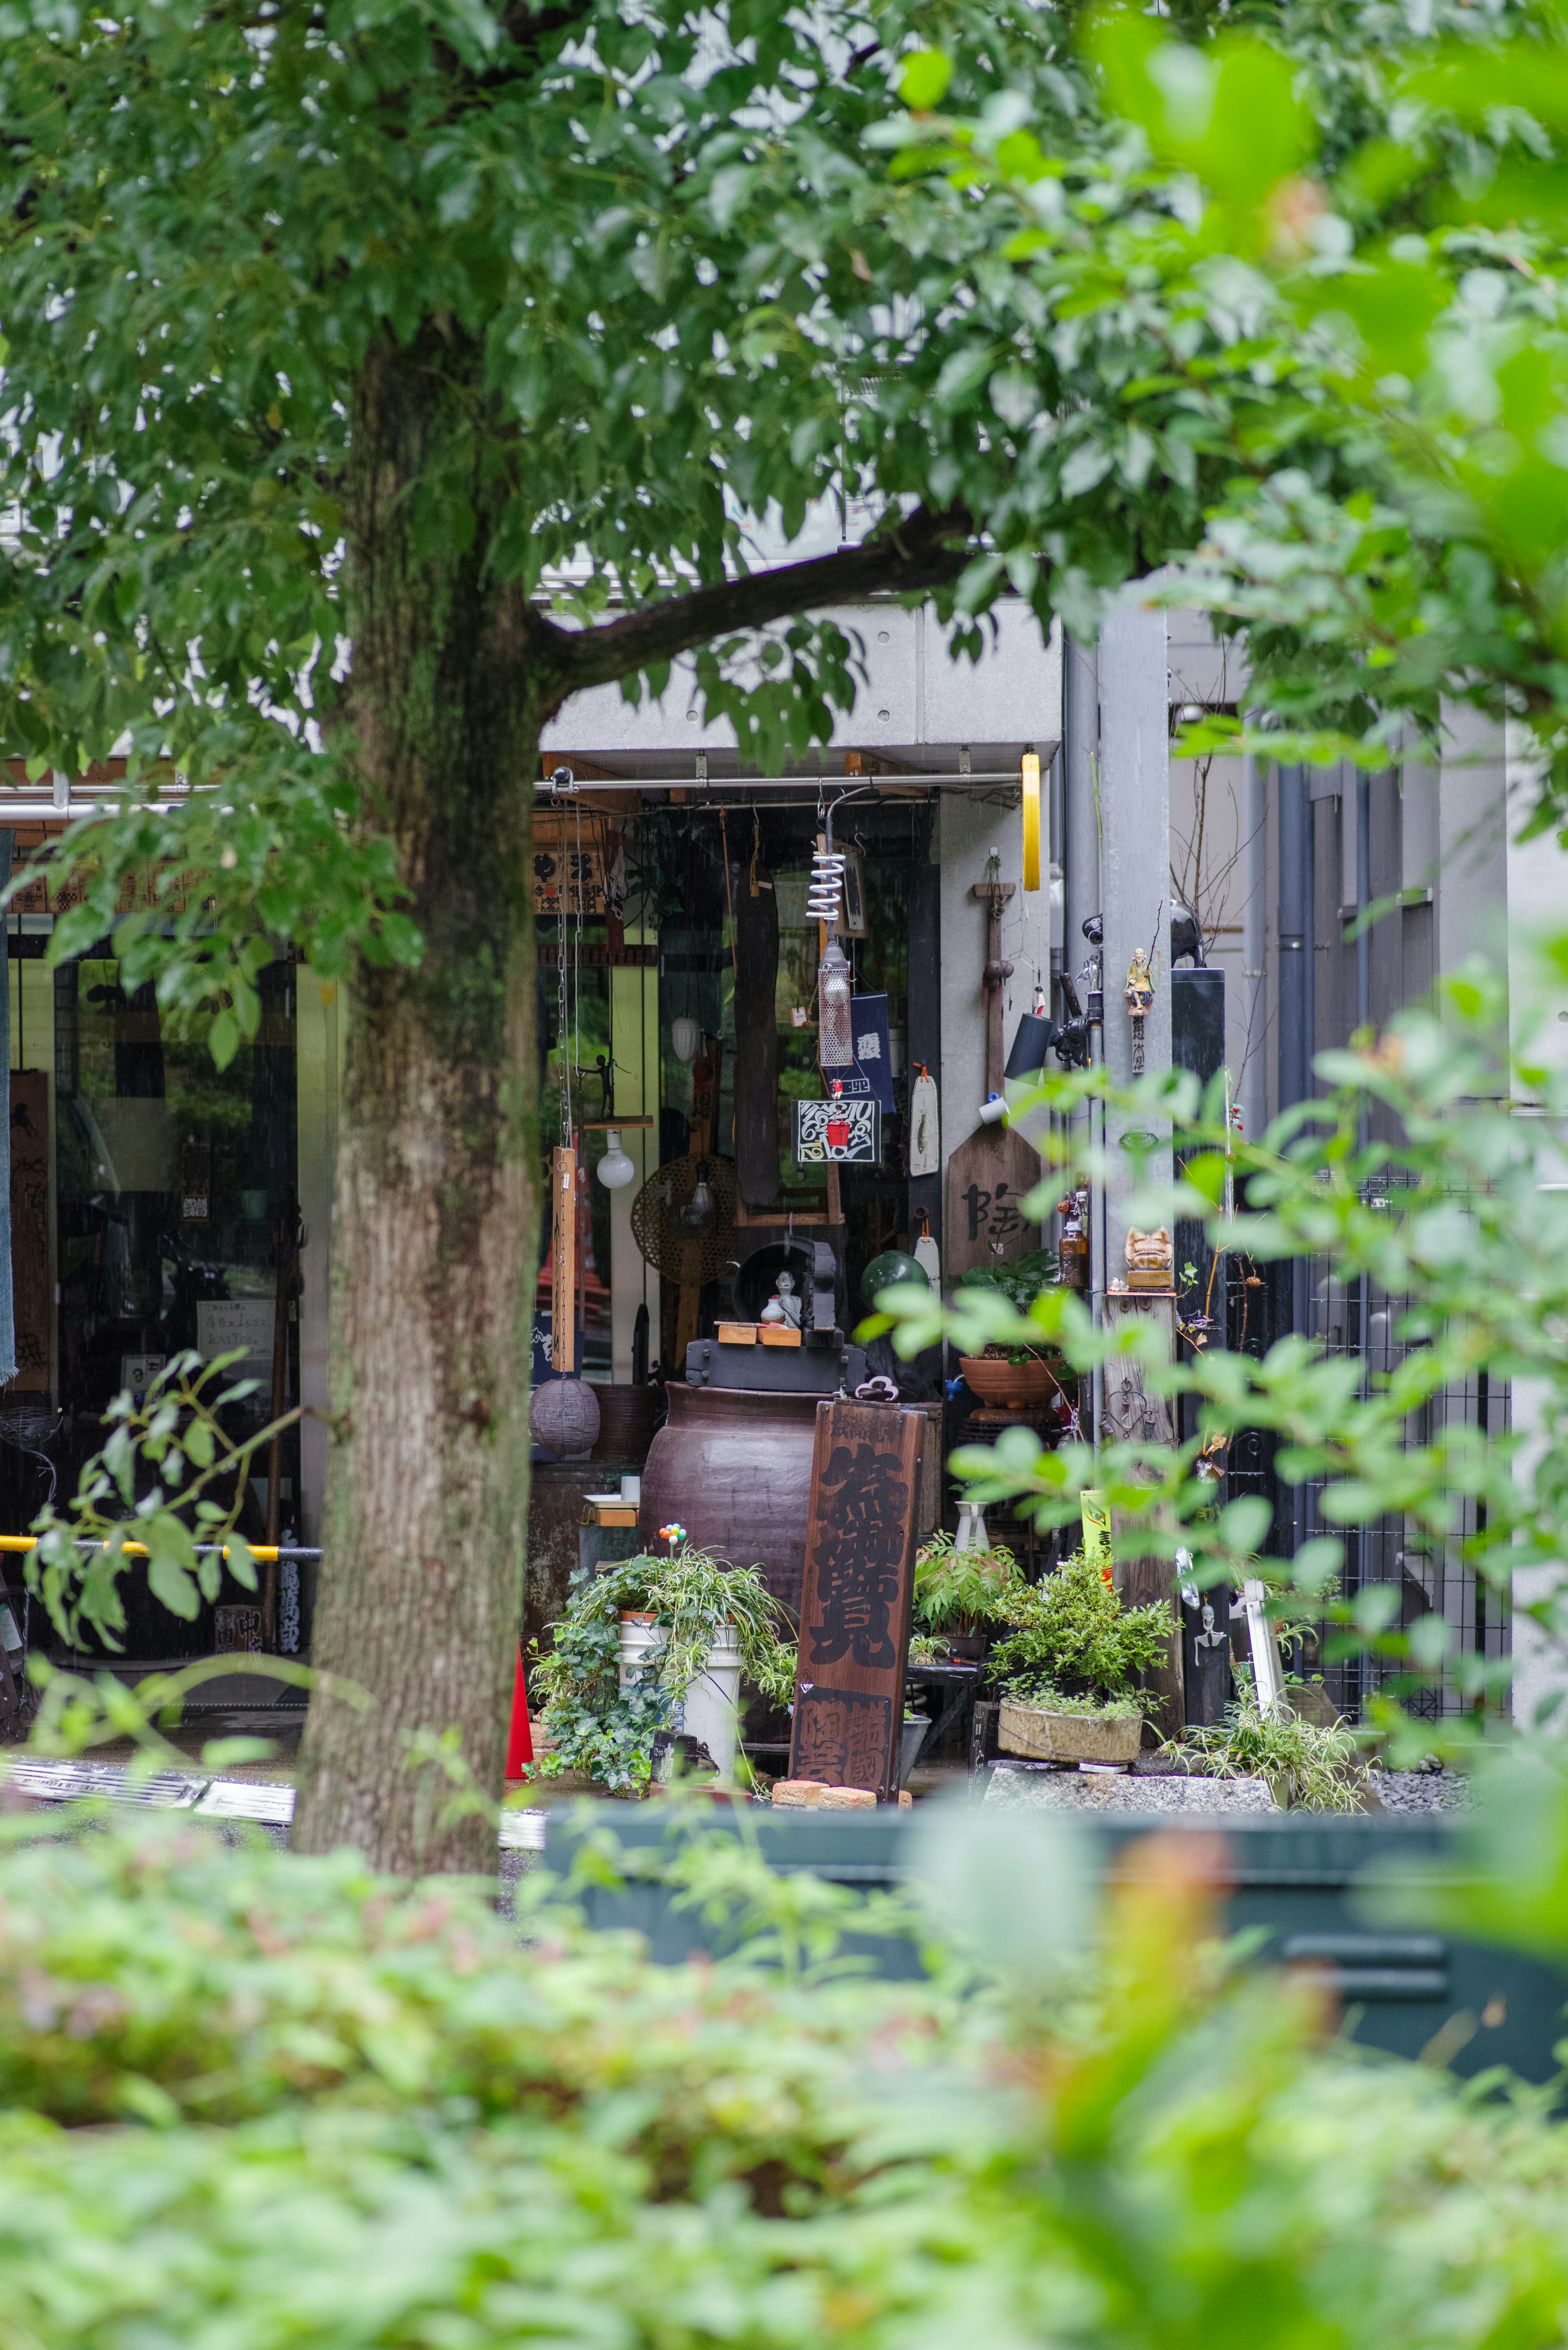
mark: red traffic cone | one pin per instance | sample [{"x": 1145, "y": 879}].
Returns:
[{"x": 519, "y": 1738}]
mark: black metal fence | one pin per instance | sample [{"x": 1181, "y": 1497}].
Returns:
[{"x": 1356, "y": 1319}]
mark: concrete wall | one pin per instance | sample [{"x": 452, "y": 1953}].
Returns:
[{"x": 915, "y": 697}]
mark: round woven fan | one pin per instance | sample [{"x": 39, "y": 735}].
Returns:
[{"x": 680, "y": 1249}]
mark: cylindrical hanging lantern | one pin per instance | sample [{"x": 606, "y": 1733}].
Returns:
[{"x": 835, "y": 1032}]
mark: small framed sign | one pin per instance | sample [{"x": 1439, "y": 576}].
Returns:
[{"x": 847, "y": 1132}]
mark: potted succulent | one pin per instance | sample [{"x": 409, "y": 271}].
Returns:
[
  {"x": 1014, "y": 1376},
  {"x": 657, "y": 1644},
  {"x": 1069, "y": 1666},
  {"x": 961, "y": 1594}
]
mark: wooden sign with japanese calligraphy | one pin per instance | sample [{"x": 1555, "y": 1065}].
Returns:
[
  {"x": 989, "y": 1178},
  {"x": 855, "y": 1606},
  {"x": 568, "y": 863}
]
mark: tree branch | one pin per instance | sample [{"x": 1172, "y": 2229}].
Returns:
[{"x": 923, "y": 550}]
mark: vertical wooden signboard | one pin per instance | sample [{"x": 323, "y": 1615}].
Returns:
[{"x": 855, "y": 1606}]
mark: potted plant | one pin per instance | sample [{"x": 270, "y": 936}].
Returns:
[
  {"x": 653, "y": 1644},
  {"x": 1069, "y": 1665},
  {"x": 1014, "y": 1376},
  {"x": 960, "y": 1594}
]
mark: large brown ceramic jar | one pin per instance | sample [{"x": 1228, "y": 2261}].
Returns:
[{"x": 733, "y": 1465}]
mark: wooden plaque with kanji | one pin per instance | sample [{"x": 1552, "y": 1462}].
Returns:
[
  {"x": 855, "y": 1606},
  {"x": 989, "y": 1176}
]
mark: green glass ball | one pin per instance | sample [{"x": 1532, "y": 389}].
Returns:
[{"x": 886, "y": 1271}]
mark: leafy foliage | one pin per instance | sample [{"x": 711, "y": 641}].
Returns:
[
  {"x": 179, "y": 1434},
  {"x": 677, "y": 300},
  {"x": 1462, "y": 1223},
  {"x": 1319, "y": 258},
  {"x": 1069, "y": 1628},
  {"x": 1322, "y": 1767},
  {"x": 1019, "y": 1281},
  {"x": 960, "y": 1591},
  {"x": 377, "y": 2115},
  {"x": 608, "y": 1733}
]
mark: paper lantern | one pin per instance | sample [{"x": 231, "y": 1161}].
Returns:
[{"x": 565, "y": 1417}]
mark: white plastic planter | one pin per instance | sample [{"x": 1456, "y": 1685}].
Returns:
[
  {"x": 711, "y": 1709},
  {"x": 641, "y": 1641}
]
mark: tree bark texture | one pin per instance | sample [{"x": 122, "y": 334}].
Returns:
[{"x": 435, "y": 1237}]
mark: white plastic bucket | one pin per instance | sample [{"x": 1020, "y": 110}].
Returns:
[
  {"x": 712, "y": 1709},
  {"x": 641, "y": 1641},
  {"x": 712, "y": 1705}
]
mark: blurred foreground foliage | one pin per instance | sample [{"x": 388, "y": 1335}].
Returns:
[{"x": 258, "y": 2099}]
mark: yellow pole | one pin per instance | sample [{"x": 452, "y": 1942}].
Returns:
[
  {"x": 1031, "y": 819},
  {"x": 264, "y": 1551}
]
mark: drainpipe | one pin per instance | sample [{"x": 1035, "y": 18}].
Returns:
[
  {"x": 1254, "y": 1086},
  {"x": 1295, "y": 951}
]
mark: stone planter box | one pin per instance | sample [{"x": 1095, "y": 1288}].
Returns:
[{"x": 1047, "y": 1737}]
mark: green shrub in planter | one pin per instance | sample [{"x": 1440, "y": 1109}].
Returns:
[
  {"x": 1072, "y": 1636},
  {"x": 608, "y": 1733}
]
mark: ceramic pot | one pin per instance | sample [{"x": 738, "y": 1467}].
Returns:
[
  {"x": 627, "y": 1416},
  {"x": 1047, "y": 1737},
  {"x": 1010, "y": 1385},
  {"x": 733, "y": 1465}
]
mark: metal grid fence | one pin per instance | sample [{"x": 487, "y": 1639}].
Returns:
[{"x": 1357, "y": 1319}]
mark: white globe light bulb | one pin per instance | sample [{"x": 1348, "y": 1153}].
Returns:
[{"x": 616, "y": 1170}]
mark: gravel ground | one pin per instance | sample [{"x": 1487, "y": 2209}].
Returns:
[
  {"x": 1423, "y": 1791},
  {"x": 1016, "y": 1787}
]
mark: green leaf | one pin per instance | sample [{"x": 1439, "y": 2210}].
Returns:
[
  {"x": 923, "y": 82},
  {"x": 224, "y": 1038}
]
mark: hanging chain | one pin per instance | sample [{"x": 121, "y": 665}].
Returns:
[{"x": 562, "y": 1017}]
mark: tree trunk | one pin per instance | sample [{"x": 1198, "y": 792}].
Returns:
[{"x": 435, "y": 1238}]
